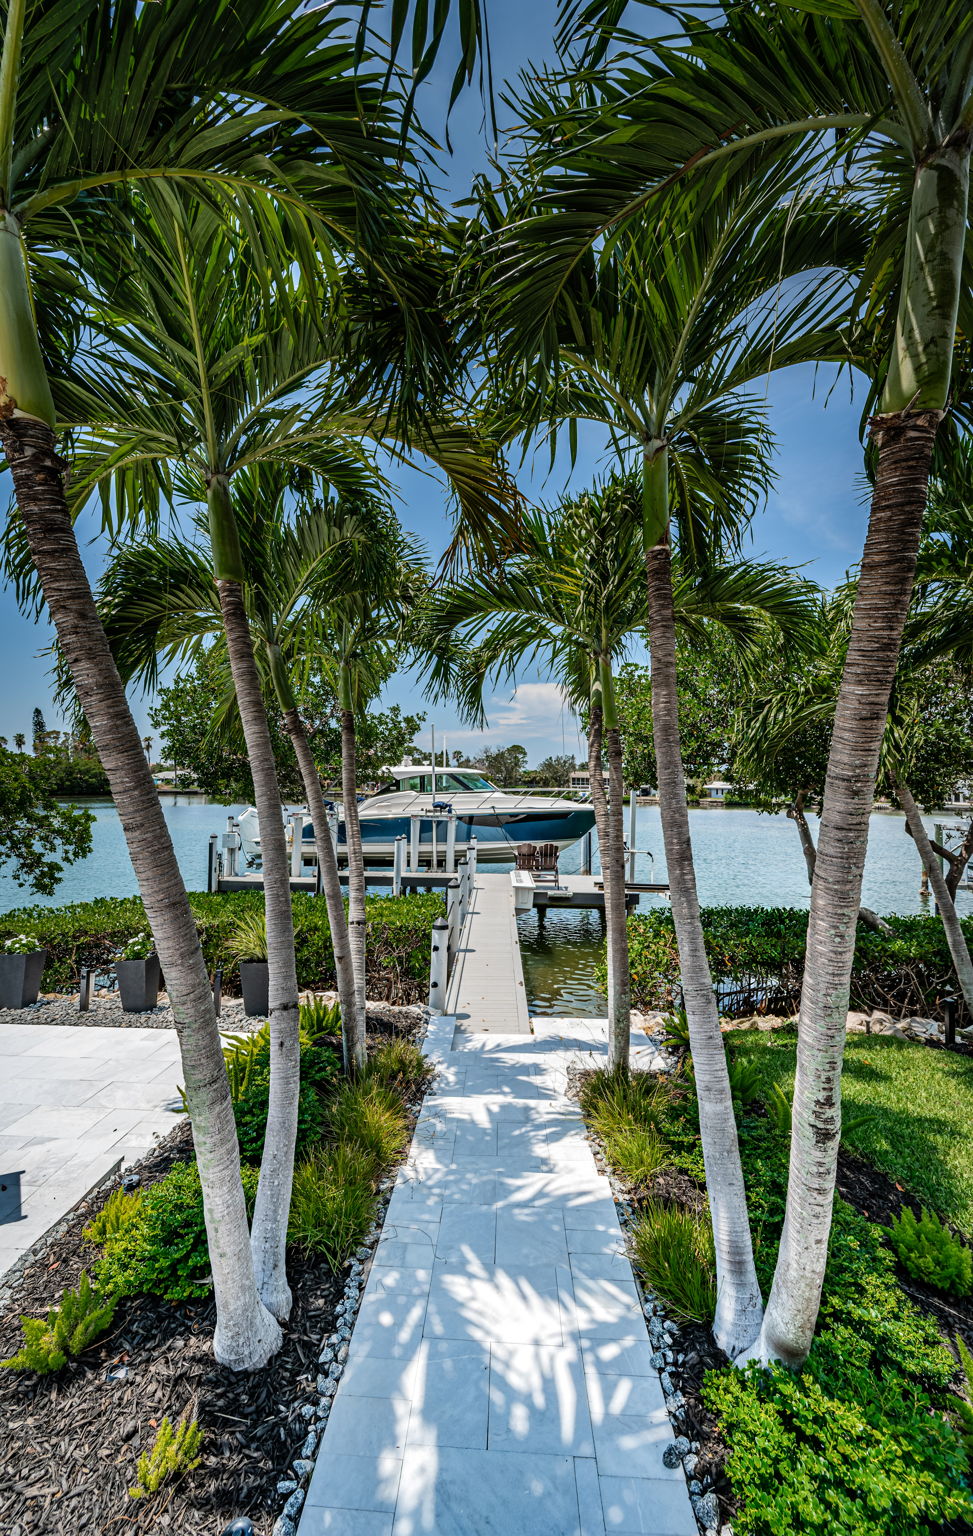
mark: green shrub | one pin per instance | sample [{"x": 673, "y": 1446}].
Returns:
[
  {"x": 118, "y": 1212},
  {"x": 90, "y": 933},
  {"x": 746, "y": 1083},
  {"x": 174, "y": 1451},
  {"x": 931, "y": 1253},
  {"x": 398, "y": 1064},
  {"x": 249, "y": 1071},
  {"x": 855, "y": 1118},
  {"x": 756, "y": 955},
  {"x": 677, "y": 1030},
  {"x": 674, "y": 1252},
  {"x": 69, "y": 1328},
  {"x": 332, "y": 1202},
  {"x": 369, "y": 1117},
  {"x": 319, "y": 1018},
  {"x": 164, "y": 1251},
  {"x": 804, "y": 1460},
  {"x": 963, "y": 1407},
  {"x": 622, "y": 1100},
  {"x": 636, "y": 1152},
  {"x": 247, "y": 939}
]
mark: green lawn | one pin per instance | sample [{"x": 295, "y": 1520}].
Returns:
[{"x": 923, "y": 1136}]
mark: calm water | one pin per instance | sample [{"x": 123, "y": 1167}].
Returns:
[
  {"x": 742, "y": 858},
  {"x": 108, "y": 871}
]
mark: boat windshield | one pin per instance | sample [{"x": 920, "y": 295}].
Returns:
[
  {"x": 466, "y": 780},
  {"x": 448, "y": 781}
]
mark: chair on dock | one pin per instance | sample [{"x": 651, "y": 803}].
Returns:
[
  {"x": 545, "y": 868},
  {"x": 526, "y": 856}
]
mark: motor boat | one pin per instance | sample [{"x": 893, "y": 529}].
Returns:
[{"x": 418, "y": 801}]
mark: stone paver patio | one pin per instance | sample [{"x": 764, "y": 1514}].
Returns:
[
  {"x": 499, "y": 1378},
  {"x": 73, "y": 1102}
]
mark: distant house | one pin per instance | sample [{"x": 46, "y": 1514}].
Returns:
[
  {"x": 716, "y": 790},
  {"x": 581, "y": 780}
]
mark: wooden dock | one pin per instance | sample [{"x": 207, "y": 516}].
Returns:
[{"x": 486, "y": 988}]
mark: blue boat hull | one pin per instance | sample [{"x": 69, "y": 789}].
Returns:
[{"x": 497, "y": 834}]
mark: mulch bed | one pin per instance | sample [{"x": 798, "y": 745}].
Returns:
[{"x": 70, "y": 1442}]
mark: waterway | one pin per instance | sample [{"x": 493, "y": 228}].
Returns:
[{"x": 742, "y": 858}]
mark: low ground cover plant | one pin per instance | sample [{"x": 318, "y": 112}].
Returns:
[
  {"x": 869, "y": 1439},
  {"x": 81, "y": 1317},
  {"x": 757, "y": 958},
  {"x": 91, "y": 933},
  {"x": 175, "y": 1450},
  {"x": 930, "y": 1252}
]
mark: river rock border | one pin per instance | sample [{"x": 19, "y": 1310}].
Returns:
[
  {"x": 334, "y": 1351},
  {"x": 663, "y": 1332}
]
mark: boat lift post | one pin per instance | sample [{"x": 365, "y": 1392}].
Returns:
[
  {"x": 398, "y": 861},
  {"x": 231, "y": 845},
  {"x": 451, "y": 843},
  {"x": 632, "y": 806},
  {"x": 213, "y": 865},
  {"x": 586, "y": 853},
  {"x": 414, "y": 844},
  {"x": 297, "y": 845}
]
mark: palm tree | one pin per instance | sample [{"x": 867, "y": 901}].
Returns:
[
  {"x": 887, "y": 89},
  {"x": 365, "y": 630},
  {"x": 93, "y": 101},
  {"x": 20, "y": 740},
  {"x": 572, "y": 598},
  {"x": 89, "y": 101},
  {"x": 158, "y": 604},
  {"x": 657, "y": 338}
]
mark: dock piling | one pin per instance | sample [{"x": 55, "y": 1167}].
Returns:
[
  {"x": 439, "y": 966},
  {"x": 398, "y": 860},
  {"x": 632, "y": 808}
]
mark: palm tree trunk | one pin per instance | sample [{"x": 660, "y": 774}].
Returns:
[
  {"x": 955, "y": 937},
  {"x": 603, "y": 826},
  {"x": 905, "y": 445},
  {"x": 796, "y": 813},
  {"x": 356, "y": 883},
  {"x": 738, "y": 1304},
  {"x": 330, "y": 881},
  {"x": 246, "y": 1335},
  {"x": 620, "y": 1001},
  {"x": 269, "y": 1233}
]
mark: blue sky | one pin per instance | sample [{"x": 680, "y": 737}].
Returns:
[{"x": 814, "y": 518}]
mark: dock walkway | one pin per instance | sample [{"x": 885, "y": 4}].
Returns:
[
  {"x": 486, "y": 989},
  {"x": 499, "y": 1380}
]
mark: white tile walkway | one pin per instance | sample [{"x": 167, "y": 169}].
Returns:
[
  {"x": 73, "y": 1102},
  {"x": 499, "y": 1379}
]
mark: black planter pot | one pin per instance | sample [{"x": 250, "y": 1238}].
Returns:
[
  {"x": 138, "y": 983},
  {"x": 20, "y": 978},
  {"x": 255, "y": 981}
]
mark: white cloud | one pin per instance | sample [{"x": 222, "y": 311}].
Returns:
[{"x": 533, "y": 711}]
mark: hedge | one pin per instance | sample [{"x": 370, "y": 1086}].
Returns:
[
  {"x": 90, "y": 933},
  {"x": 757, "y": 959}
]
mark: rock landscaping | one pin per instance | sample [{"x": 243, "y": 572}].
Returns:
[{"x": 106, "y": 1011}]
